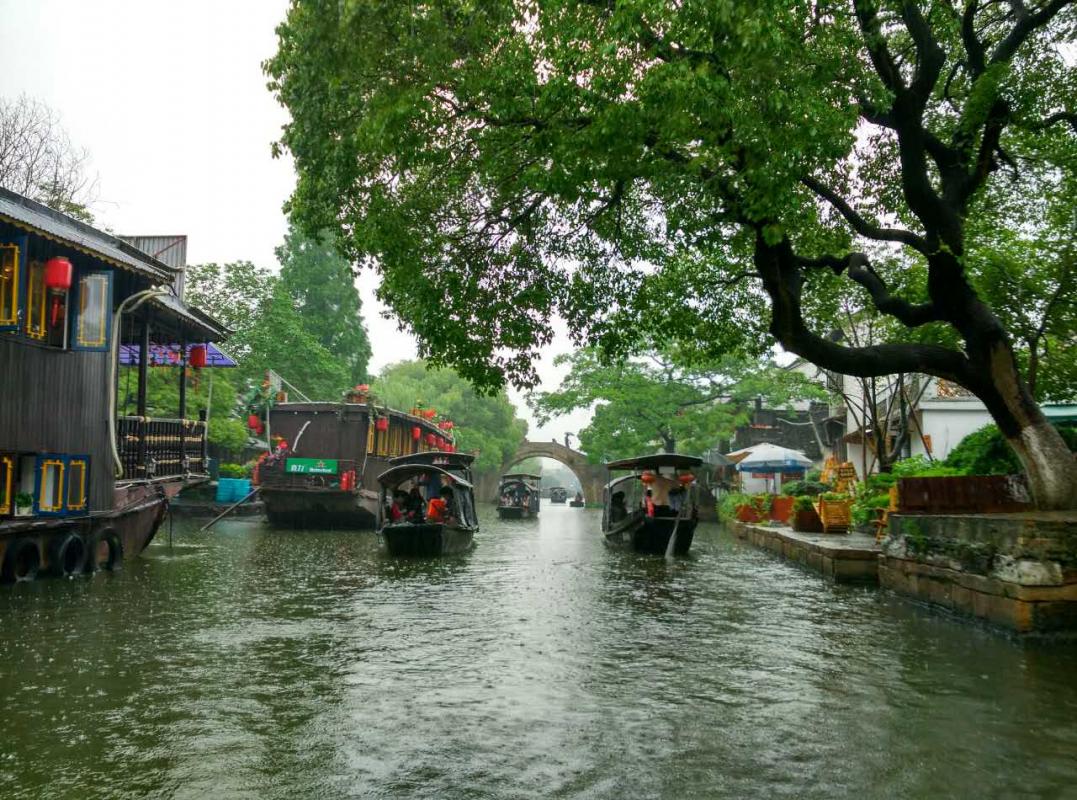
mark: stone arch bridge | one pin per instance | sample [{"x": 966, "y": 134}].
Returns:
[{"x": 592, "y": 477}]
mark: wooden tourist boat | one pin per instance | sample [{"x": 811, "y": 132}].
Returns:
[
  {"x": 83, "y": 487},
  {"x": 518, "y": 496},
  {"x": 577, "y": 501},
  {"x": 665, "y": 528},
  {"x": 415, "y": 531},
  {"x": 558, "y": 495},
  {"x": 323, "y": 470}
]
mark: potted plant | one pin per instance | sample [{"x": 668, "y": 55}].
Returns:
[
  {"x": 781, "y": 508},
  {"x": 804, "y": 516},
  {"x": 24, "y": 504}
]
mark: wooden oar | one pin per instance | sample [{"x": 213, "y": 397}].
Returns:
[
  {"x": 673, "y": 536},
  {"x": 228, "y": 511}
]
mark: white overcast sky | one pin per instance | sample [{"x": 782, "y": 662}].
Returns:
[{"x": 170, "y": 100}]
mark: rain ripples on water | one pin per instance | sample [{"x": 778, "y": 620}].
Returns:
[{"x": 247, "y": 662}]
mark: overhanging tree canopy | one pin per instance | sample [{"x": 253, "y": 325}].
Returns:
[{"x": 674, "y": 168}]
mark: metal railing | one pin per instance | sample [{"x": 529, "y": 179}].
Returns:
[{"x": 161, "y": 448}]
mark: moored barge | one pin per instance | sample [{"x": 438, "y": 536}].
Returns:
[
  {"x": 323, "y": 471},
  {"x": 83, "y": 487}
]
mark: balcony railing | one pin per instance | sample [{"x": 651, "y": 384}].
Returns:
[{"x": 161, "y": 448}]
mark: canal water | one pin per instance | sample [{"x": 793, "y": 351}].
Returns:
[{"x": 249, "y": 663}]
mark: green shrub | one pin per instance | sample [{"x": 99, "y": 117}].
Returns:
[
  {"x": 813, "y": 475},
  {"x": 863, "y": 508},
  {"x": 920, "y": 467},
  {"x": 804, "y": 487},
  {"x": 877, "y": 483},
  {"x": 986, "y": 452},
  {"x": 834, "y": 496},
  {"x": 727, "y": 506},
  {"x": 232, "y": 471},
  {"x": 803, "y": 503}
]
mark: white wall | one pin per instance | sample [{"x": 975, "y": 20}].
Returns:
[{"x": 947, "y": 422}]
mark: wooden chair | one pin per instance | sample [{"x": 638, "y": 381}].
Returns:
[
  {"x": 836, "y": 515},
  {"x": 882, "y": 518}
]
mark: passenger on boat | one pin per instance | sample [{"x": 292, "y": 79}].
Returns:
[
  {"x": 661, "y": 487},
  {"x": 414, "y": 505},
  {"x": 648, "y": 503},
  {"x": 618, "y": 511},
  {"x": 397, "y": 512},
  {"x": 438, "y": 510}
]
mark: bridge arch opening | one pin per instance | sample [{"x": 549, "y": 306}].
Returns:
[{"x": 591, "y": 477}]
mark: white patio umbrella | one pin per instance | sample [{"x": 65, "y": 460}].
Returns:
[{"x": 768, "y": 457}]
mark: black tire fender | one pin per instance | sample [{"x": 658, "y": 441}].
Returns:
[
  {"x": 22, "y": 561},
  {"x": 67, "y": 554},
  {"x": 107, "y": 537}
]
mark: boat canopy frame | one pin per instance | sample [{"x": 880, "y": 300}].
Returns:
[{"x": 655, "y": 461}]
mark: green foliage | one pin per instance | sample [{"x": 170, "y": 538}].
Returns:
[
  {"x": 667, "y": 401},
  {"x": 865, "y": 505},
  {"x": 280, "y": 323},
  {"x": 226, "y": 431},
  {"x": 919, "y": 466},
  {"x": 986, "y": 452},
  {"x": 486, "y": 425},
  {"x": 805, "y": 487},
  {"x": 814, "y": 475},
  {"x": 730, "y": 502},
  {"x": 233, "y": 471},
  {"x": 834, "y": 496},
  {"x": 24, "y": 499},
  {"x": 804, "y": 503},
  {"x": 322, "y": 285}
]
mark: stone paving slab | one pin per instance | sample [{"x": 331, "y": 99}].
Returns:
[{"x": 842, "y": 557}]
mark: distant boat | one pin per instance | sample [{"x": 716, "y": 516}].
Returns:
[
  {"x": 577, "y": 501},
  {"x": 558, "y": 494},
  {"x": 446, "y": 475},
  {"x": 663, "y": 523},
  {"x": 518, "y": 496}
]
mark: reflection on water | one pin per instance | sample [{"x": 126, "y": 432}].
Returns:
[{"x": 247, "y": 662}]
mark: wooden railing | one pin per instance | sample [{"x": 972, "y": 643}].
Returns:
[{"x": 161, "y": 448}]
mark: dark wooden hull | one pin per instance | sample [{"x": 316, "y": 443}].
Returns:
[
  {"x": 651, "y": 535},
  {"x": 577, "y": 503},
  {"x": 106, "y": 538},
  {"x": 426, "y": 540},
  {"x": 320, "y": 509},
  {"x": 557, "y": 502},
  {"x": 515, "y": 512}
]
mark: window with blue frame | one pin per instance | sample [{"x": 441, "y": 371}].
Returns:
[
  {"x": 61, "y": 485},
  {"x": 9, "y": 285},
  {"x": 94, "y": 311}
]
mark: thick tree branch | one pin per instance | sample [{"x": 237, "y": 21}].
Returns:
[
  {"x": 1027, "y": 24},
  {"x": 863, "y": 226}
]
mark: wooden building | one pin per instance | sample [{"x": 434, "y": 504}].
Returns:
[{"x": 81, "y": 487}]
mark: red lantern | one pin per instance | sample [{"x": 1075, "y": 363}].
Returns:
[
  {"x": 363, "y": 388},
  {"x": 445, "y": 426},
  {"x": 450, "y": 448},
  {"x": 254, "y": 422},
  {"x": 647, "y": 478},
  {"x": 686, "y": 478},
  {"x": 416, "y": 433},
  {"x": 430, "y": 413},
  {"x": 381, "y": 424},
  {"x": 431, "y": 439},
  {"x": 197, "y": 356},
  {"x": 58, "y": 272}
]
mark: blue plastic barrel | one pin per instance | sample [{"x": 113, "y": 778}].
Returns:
[
  {"x": 225, "y": 490},
  {"x": 241, "y": 487}
]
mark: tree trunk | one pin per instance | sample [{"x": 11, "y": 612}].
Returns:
[
  {"x": 1048, "y": 462},
  {"x": 987, "y": 368}
]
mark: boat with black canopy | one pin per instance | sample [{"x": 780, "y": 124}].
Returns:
[
  {"x": 577, "y": 501},
  {"x": 427, "y": 505},
  {"x": 518, "y": 496},
  {"x": 558, "y": 495},
  {"x": 653, "y": 509}
]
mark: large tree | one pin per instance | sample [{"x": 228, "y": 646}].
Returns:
[
  {"x": 644, "y": 165},
  {"x": 659, "y": 402},
  {"x": 485, "y": 425},
  {"x": 268, "y": 330},
  {"x": 323, "y": 285}
]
